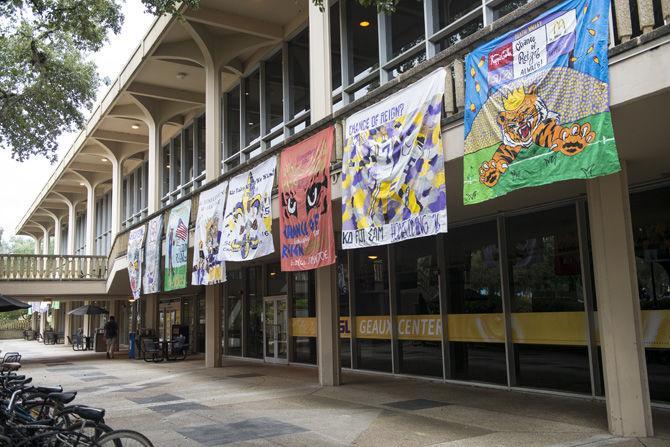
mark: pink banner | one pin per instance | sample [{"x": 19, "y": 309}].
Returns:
[{"x": 305, "y": 220}]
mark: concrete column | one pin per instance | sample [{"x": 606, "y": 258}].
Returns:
[
  {"x": 212, "y": 122},
  {"x": 117, "y": 195},
  {"x": 34, "y": 322},
  {"x": 155, "y": 165},
  {"x": 624, "y": 365},
  {"x": 43, "y": 322},
  {"x": 67, "y": 323},
  {"x": 38, "y": 246},
  {"x": 87, "y": 325},
  {"x": 90, "y": 219},
  {"x": 327, "y": 326},
  {"x": 320, "y": 84},
  {"x": 57, "y": 225},
  {"x": 213, "y": 326},
  {"x": 151, "y": 320},
  {"x": 71, "y": 227},
  {"x": 55, "y": 319},
  {"x": 320, "y": 73},
  {"x": 45, "y": 241}
]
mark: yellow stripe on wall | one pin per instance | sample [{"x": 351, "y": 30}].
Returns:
[
  {"x": 303, "y": 327},
  {"x": 476, "y": 328}
]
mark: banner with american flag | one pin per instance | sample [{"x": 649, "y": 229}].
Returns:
[{"x": 176, "y": 243}]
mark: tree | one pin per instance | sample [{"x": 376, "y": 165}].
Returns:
[
  {"x": 48, "y": 82},
  {"x": 17, "y": 245}
]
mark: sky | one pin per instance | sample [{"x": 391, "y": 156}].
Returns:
[{"x": 21, "y": 182}]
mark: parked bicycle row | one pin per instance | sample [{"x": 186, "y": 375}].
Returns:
[{"x": 45, "y": 416}]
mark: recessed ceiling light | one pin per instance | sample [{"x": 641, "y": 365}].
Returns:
[
  {"x": 135, "y": 126},
  {"x": 167, "y": 166},
  {"x": 364, "y": 23},
  {"x": 103, "y": 159},
  {"x": 82, "y": 184},
  {"x": 273, "y": 273},
  {"x": 181, "y": 75},
  {"x": 372, "y": 257},
  {"x": 251, "y": 124}
]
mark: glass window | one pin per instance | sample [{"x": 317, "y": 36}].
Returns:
[
  {"x": 548, "y": 301},
  {"x": 166, "y": 172},
  {"x": 474, "y": 301},
  {"x": 372, "y": 326},
  {"x": 303, "y": 349},
  {"x": 233, "y": 125},
  {"x": 234, "y": 304},
  {"x": 298, "y": 54},
  {"x": 201, "y": 142},
  {"x": 461, "y": 33},
  {"x": 408, "y": 64},
  {"x": 335, "y": 52},
  {"x": 274, "y": 92},
  {"x": 418, "y": 292},
  {"x": 407, "y": 26},
  {"x": 651, "y": 234},
  {"x": 254, "y": 331},
  {"x": 504, "y": 8},
  {"x": 452, "y": 10},
  {"x": 276, "y": 280},
  {"x": 176, "y": 161},
  {"x": 252, "y": 107},
  {"x": 363, "y": 40},
  {"x": 188, "y": 153}
]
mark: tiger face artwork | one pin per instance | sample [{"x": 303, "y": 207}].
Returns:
[{"x": 526, "y": 120}]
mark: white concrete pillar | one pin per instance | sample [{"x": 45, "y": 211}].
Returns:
[
  {"x": 117, "y": 195},
  {"x": 90, "y": 219},
  {"x": 615, "y": 275},
  {"x": 213, "y": 140},
  {"x": 67, "y": 323},
  {"x": 320, "y": 87},
  {"x": 87, "y": 325},
  {"x": 43, "y": 322},
  {"x": 320, "y": 73},
  {"x": 45, "y": 241},
  {"x": 34, "y": 321},
  {"x": 57, "y": 241},
  {"x": 38, "y": 245},
  {"x": 71, "y": 227},
  {"x": 155, "y": 167},
  {"x": 213, "y": 326}
]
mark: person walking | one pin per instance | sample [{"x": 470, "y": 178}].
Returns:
[{"x": 111, "y": 333}]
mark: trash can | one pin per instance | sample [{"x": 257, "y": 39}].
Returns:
[{"x": 131, "y": 345}]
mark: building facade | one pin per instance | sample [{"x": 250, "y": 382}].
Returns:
[{"x": 562, "y": 288}]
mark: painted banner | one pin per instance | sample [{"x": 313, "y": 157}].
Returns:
[
  {"x": 306, "y": 217},
  {"x": 152, "y": 256},
  {"x": 176, "y": 244},
  {"x": 135, "y": 255},
  {"x": 537, "y": 104},
  {"x": 207, "y": 267},
  {"x": 247, "y": 230},
  {"x": 393, "y": 182}
]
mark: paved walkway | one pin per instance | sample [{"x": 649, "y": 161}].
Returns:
[{"x": 254, "y": 404}]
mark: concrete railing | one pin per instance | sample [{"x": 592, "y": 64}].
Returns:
[{"x": 52, "y": 267}]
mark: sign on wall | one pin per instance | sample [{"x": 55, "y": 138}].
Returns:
[
  {"x": 207, "y": 267},
  {"x": 393, "y": 182},
  {"x": 135, "y": 255},
  {"x": 537, "y": 104},
  {"x": 247, "y": 231},
  {"x": 152, "y": 256},
  {"x": 176, "y": 243},
  {"x": 305, "y": 220}
]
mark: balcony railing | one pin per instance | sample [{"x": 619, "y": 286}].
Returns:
[{"x": 52, "y": 267}]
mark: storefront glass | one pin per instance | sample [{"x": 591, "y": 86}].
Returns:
[
  {"x": 303, "y": 318},
  {"x": 234, "y": 293},
  {"x": 254, "y": 313}
]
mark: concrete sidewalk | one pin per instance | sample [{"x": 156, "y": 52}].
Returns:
[{"x": 255, "y": 404}]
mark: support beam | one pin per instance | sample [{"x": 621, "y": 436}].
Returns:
[
  {"x": 151, "y": 317},
  {"x": 170, "y": 94},
  {"x": 120, "y": 137},
  {"x": 213, "y": 326},
  {"x": 233, "y": 22},
  {"x": 213, "y": 147},
  {"x": 624, "y": 365},
  {"x": 155, "y": 165},
  {"x": 67, "y": 324},
  {"x": 90, "y": 219}
]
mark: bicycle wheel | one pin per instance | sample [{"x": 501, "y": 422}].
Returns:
[
  {"x": 81, "y": 434},
  {"x": 123, "y": 438},
  {"x": 42, "y": 410}
]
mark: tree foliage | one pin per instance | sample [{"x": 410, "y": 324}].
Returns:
[
  {"x": 18, "y": 245},
  {"x": 47, "y": 81}
]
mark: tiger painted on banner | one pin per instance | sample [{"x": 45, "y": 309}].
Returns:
[{"x": 526, "y": 120}]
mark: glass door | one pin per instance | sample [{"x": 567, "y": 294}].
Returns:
[{"x": 275, "y": 334}]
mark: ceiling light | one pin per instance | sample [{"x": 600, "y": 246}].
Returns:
[
  {"x": 372, "y": 257},
  {"x": 251, "y": 124},
  {"x": 82, "y": 184},
  {"x": 135, "y": 126},
  {"x": 273, "y": 273},
  {"x": 364, "y": 23},
  {"x": 181, "y": 75},
  {"x": 167, "y": 166},
  {"x": 103, "y": 159}
]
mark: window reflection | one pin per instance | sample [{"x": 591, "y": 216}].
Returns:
[
  {"x": 363, "y": 40},
  {"x": 252, "y": 107},
  {"x": 232, "y": 146},
  {"x": 274, "y": 92},
  {"x": 298, "y": 53},
  {"x": 407, "y": 26}
]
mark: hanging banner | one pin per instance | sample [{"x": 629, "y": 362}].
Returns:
[
  {"x": 207, "y": 267},
  {"x": 247, "y": 231},
  {"x": 176, "y": 239},
  {"x": 306, "y": 218},
  {"x": 393, "y": 183},
  {"x": 537, "y": 104},
  {"x": 151, "y": 282},
  {"x": 135, "y": 255}
]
